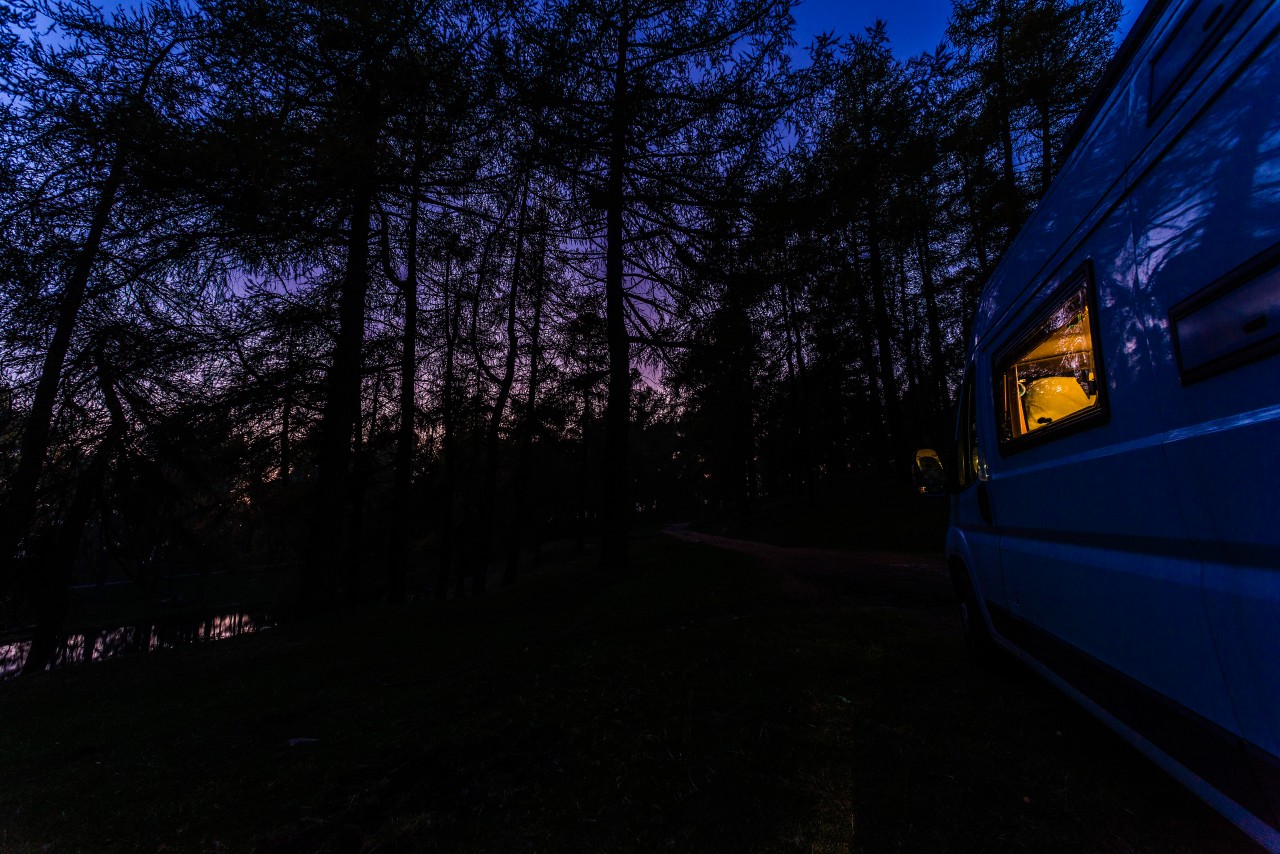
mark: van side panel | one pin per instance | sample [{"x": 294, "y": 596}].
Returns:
[
  {"x": 1138, "y": 555},
  {"x": 1207, "y": 219},
  {"x": 1093, "y": 545},
  {"x": 1067, "y": 212}
]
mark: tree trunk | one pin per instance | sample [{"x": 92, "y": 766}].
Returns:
[
  {"x": 18, "y": 509},
  {"x": 520, "y": 511},
  {"x": 326, "y": 547},
  {"x": 20, "y": 505},
  {"x": 585, "y": 480},
  {"x": 866, "y": 348},
  {"x": 286, "y": 413},
  {"x": 884, "y": 344},
  {"x": 1046, "y": 148},
  {"x": 909, "y": 340},
  {"x": 937, "y": 367},
  {"x": 484, "y": 524},
  {"x": 52, "y": 602},
  {"x": 978, "y": 230},
  {"x": 448, "y": 440},
  {"x": 799, "y": 387},
  {"x": 613, "y": 548},
  {"x": 1003, "y": 106},
  {"x": 406, "y": 436},
  {"x": 355, "y": 585}
]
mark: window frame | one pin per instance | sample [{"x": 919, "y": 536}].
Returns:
[
  {"x": 1224, "y": 286},
  {"x": 1220, "y": 19},
  {"x": 1029, "y": 331},
  {"x": 965, "y": 439}
]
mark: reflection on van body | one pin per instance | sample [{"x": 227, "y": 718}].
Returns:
[{"x": 1117, "y": 519}]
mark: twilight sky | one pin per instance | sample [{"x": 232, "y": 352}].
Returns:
[{"x": 914, "y": 25}]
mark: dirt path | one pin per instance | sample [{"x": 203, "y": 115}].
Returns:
[
  {"x": 1005, "y": 733},
  {"x": 884, "y": 578}
]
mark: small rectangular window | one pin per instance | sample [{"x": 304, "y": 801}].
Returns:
[
  {"x": 1192, "y": 39},
  {"x": 1231, "y": 322},
  {"x": 1050, "y": 379}
]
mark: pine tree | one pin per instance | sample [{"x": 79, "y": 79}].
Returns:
[
  {"x": 335, "y": 111},
  {"x": 649, "y": 100},
  {"x": 97, "y": 108}
]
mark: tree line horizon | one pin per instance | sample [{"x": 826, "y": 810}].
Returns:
[{"x": 376, "y": 289}]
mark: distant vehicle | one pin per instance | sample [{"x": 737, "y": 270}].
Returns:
[
  {"x": 1115, "y": 517},
  {"x": 927, "y": 473}
]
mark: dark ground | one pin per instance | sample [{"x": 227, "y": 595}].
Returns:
[{"x": 747, "y": 698}]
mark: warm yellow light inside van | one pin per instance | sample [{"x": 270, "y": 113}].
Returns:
[{"x": 1050, "y": 377}]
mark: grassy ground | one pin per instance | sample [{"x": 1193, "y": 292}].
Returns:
[{"x": 710, "y": 701}]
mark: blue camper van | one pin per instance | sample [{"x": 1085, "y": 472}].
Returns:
[{"x": 1115, "y": 516}]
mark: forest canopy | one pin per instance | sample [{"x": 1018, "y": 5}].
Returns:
[{"x": 387, "y": 293}]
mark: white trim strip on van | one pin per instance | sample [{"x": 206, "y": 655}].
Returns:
[{"x": 1231, "y": 422}]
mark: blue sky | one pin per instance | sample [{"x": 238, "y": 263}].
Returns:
[{"x": 914, "y": 25}]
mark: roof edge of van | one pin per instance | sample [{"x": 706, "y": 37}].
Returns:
[
  {"x": 1119, "y": 62},
  {"x": 1115, "y": 69}
]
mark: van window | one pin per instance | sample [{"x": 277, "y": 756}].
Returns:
[{"x": 1049, "y": 379}]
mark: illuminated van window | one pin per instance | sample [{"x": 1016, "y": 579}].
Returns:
[{"x": 1050, "y": 379}]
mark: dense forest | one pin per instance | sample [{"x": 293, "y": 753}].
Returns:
[{"x": 388, "y": 292}]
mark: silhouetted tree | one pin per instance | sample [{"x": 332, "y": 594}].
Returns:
[
  {"x": 341, "y": 89},
  {"x": 650, "y": 99}
]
